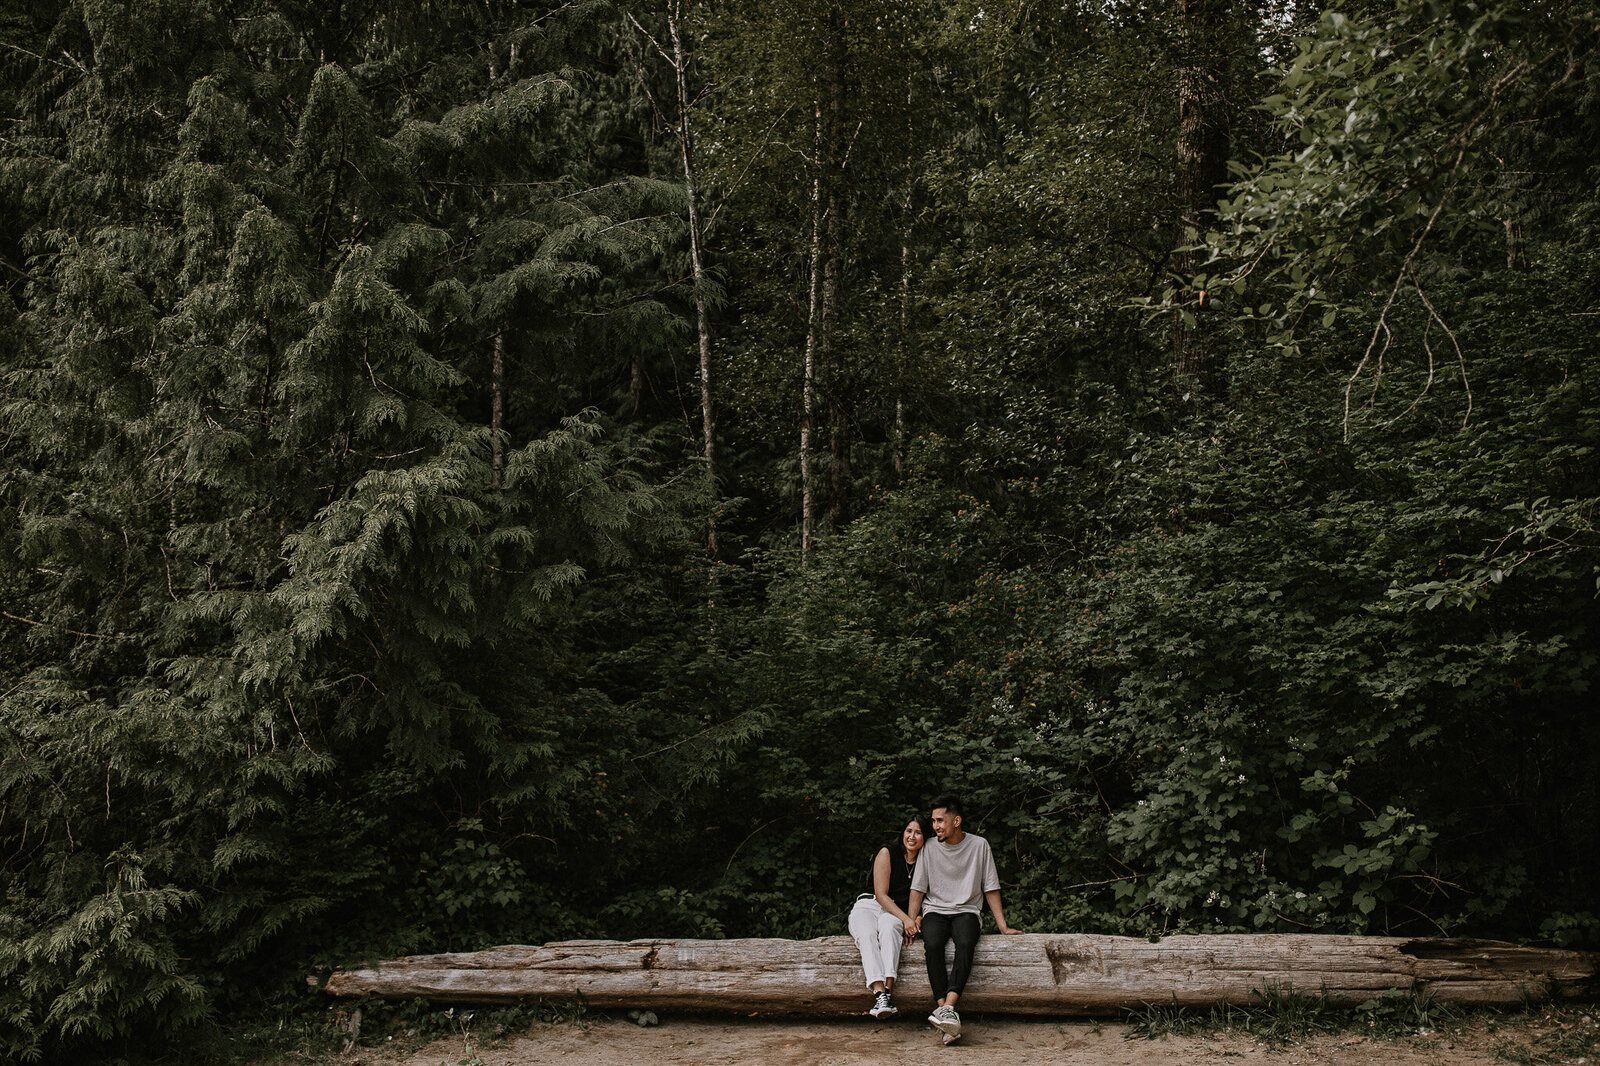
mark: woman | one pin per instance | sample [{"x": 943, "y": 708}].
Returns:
[{"x": 879, "y": 922}]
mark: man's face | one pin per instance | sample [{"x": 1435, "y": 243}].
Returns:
[{"x": 945, "y": 823}]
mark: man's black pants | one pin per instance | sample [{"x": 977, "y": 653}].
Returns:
[{"x": 937, "y": 931}]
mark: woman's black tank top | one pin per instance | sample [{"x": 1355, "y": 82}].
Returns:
[{"x": 899, "y": 875}]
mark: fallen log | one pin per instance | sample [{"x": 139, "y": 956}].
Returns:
[{"x": 1035, "y": 973}]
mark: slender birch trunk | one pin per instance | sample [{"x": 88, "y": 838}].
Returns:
[
  {"x": 808, "y": 400},
  {"x": 708, "y": 419},
  {"x": 835, "y": 160},
  {"x": 838, "y": 424},
  {"x": 898, "y": 457},
  {"x": 497, "y": 382}
]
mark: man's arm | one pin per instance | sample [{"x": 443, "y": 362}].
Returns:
[{"x": 993, "y": 896}]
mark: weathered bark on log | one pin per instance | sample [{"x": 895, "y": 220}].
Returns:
[{"x": 1037, "y": 973}]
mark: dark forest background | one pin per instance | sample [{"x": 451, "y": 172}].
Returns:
[{"x": 483, "y": 472}]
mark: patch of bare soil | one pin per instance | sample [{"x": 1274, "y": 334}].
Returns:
[{"x": 999, "y": 1041}]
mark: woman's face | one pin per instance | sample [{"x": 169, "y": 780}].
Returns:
[{"x": 911, "y": 837}]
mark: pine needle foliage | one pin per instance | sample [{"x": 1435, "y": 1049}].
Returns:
[{"x": 296, "y": 639}]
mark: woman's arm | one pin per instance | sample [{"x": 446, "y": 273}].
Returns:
[
  {"x": 880, "y": 886},
  {"x": 914, "y": 926}
]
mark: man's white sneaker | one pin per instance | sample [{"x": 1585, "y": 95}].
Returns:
[
  {"x": 951, "y": 1038},
  {"x": 883, "y": 1006},
  {"x": 947, "y": 1021}
]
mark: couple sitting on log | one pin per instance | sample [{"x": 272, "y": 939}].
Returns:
[{"x": 933, "y": 889}]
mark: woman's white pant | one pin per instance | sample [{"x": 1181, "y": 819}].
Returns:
[{"x": 879, "y": 935}]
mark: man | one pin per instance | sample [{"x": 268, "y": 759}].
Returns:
[{"x": 954, "y": 877}]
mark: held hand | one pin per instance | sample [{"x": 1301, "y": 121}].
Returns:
[{"x": 912, "y": 926}]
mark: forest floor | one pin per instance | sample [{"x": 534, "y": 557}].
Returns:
[{"x": 1529, "y": 1038}]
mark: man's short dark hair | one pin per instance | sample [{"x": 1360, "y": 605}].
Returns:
[{"x": 949, "y": 801}]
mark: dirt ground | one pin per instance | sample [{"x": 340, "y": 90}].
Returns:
[{"x": 1528, "y": 1039}]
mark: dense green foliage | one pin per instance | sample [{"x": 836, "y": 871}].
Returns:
[{"x": 354, "y": 587}]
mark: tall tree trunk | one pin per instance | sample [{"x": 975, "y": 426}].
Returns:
[
  {"x": 1202, "y": 166},
  {"x": 899, "y": 449},
  {"x": 830, "y": 157},
  {"x": 837, "y": 157},
  {"x": 497, "y": 391},
  {"x": 814, "y": 325},
  {"x": 708, "y": 419},
  {"x": 838, "y": 421},
  {"x": 1516, "y": 259},
  {"x": 839, "y": 471}
]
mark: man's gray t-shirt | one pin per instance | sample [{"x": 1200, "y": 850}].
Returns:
[{"x": 954, "y": 877}]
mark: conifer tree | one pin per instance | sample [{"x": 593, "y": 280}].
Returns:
[{"x": 289, "y": 602}]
